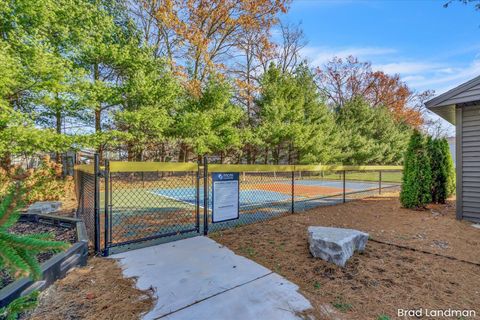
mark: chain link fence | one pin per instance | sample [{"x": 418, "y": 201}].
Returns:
[
  {"x": 127, "y": 203},
  {"x": 263, "y": 196},
  {"x": 85, "y": 191}
]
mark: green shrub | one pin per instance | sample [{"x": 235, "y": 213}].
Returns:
[
  {"x": 439, "y": 170},
  {"x": 443, "y": 170},
  {"x": 450, "y": 168},
  {"x": 45, "y": 183},
  {"x": 417, "y": 175}
]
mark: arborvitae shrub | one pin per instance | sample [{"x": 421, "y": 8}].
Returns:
[
  {"x": 439, "y": 170},
  {"x": 417, "y": 174},
  {"x": 450, "y": 167}
]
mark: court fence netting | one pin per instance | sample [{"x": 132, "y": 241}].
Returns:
[{"x": 131, "y": 204}]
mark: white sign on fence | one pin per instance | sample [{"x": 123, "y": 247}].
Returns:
[{"x": 225, "y": 196}]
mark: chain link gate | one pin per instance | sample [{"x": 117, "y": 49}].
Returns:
[{"x": 136, "y": 208}]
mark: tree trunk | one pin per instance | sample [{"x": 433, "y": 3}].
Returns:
[
  {"x": 58, "y": 128},
  {"x": 98, "y": 111},
  {"x": 162, "y": 153},
  {"x": 130, "y": 154},
  {"x": 181, "y": 154},
  {"x": 6, "y": 162}
]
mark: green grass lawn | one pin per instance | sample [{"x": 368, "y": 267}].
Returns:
[
  {"x": 366, "y": 176},
  {"x": 143, "y": 198}
]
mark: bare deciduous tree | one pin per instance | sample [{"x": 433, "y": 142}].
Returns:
[{"x": 292, "y": 42}]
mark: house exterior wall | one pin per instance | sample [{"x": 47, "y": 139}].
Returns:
[{"x": 468, "y": 162}]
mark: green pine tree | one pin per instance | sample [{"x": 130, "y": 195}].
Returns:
[
  {"x": 18, "y": 252},
  {"x": 417, "y": 174},
  {"x": 18, "y": 306}
]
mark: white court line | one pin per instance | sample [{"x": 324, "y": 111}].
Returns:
[{"x": 175, "y": 199}]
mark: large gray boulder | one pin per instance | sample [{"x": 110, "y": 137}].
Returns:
[{"x": 335, "y": 245}]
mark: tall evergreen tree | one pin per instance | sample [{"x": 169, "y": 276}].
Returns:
[
  {"x": 370, "y": 135},
  {"x": 417, "y": 174},
  {"x": 208, "y": 124},
  {"x": 295, "y": 125}
]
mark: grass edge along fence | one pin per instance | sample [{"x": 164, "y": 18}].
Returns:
[{"x": 126, "y": 203}]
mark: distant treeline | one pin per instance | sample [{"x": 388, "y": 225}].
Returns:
[{"x": 172, "y": 81}]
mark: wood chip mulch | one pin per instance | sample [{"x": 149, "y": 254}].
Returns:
[
  {"x": 98, "y": 291},
  {"x": 383, "y": 278}
]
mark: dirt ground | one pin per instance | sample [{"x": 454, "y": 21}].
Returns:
[
  {"x": 383, "y": 278},
  {"x": 95, "y": 292}
]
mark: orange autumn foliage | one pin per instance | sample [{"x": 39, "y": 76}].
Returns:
[
  {"x": 207, "y": 32},
  {"x": 343, "y": 79}
]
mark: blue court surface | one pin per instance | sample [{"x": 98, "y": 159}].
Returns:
[
  {"x": 247, "y": 197},
  {"x": 253, "y": 197}
]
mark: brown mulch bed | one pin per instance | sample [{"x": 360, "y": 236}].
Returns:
[
  {"x": 98, "y": 291},
  {"x": 383, "y": 278},
  {"x": 24, "y": 228}
]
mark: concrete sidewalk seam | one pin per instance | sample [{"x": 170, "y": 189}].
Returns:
[{"x": 213, "y": 295}]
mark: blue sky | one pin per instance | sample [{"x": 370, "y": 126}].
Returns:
[{"x": 430, "y": 46}]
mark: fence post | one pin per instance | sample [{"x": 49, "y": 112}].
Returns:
[
  {"x": 79, "y": 213},
  {"x": 197, "y": 205},
  {"x": 344, "y": 187},
  {"x": 96, "y": 205},
  {"x": 205, "y": 195},
  {"x": 106, "y": 240},
  {"x": 293, "y": 191},
  {"x": 380, "y": 182}
]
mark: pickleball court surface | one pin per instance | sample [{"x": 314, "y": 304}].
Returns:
[
  {"x": 139, "y": 213},
  {"x": 260, "y": 194}
]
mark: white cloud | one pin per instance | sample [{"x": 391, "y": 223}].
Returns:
[
  {"x": 413, "y": 78},
  {"x": 318, "y": 56},
  {"x": 441, "y": 81},
  {"x": 406, "y": 67},
  {"x": 439, "y": 75}
]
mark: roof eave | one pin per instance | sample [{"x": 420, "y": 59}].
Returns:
[
  {"x": 437, "y": 101},
  {"x": 446, "y": 112}
]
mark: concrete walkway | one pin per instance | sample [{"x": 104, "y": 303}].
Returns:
[{"x": 197, "y": 278}]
